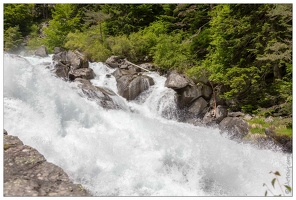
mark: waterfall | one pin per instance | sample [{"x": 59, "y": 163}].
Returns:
[{"x": 138, "y": 151}]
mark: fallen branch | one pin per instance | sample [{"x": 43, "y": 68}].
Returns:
[{"x": 136, "y": 65}]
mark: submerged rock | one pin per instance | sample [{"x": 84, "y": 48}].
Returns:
[
  {"x": 27, "y": 173},
  {"x": 100, "y": 95}
]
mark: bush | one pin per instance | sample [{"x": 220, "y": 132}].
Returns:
[
  {"x": 171, "y": 52},
  {"x": 34, "y": 40},
  {"x": 12, "y": 39},
  {"x": 90, "y": 43},
  {"x": 122, "y": 46}
]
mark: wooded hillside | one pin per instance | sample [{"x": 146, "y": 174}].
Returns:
[{"x": 244, "y": 49}]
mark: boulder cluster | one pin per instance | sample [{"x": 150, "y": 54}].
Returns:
[{"x": 202, "y": 105}]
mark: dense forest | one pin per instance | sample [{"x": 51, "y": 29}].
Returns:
[{"x": 243, "y": 49}]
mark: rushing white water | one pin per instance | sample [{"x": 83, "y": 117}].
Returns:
[{"x": 133, "y": 151}]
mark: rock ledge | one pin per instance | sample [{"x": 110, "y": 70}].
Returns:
[{"x": 27, "y": 173}]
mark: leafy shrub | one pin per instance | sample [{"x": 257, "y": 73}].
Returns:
[
  {"x": 12, "y": 39},
  {"x": 171, "y": 52},
  {"x": 34, "y": 40},
  {"x": 90, "y": 43},
  {"x": 122, "y": 46}
]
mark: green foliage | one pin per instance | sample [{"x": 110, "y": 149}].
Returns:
[
  {"x": 12, "y": 39},
  {"x": 246, "y": 48},
  {"x": 20, "y": 15},
  {"x": 121, "y": 46},
  {"x": 276, "y": 180},
  {"x": 171, "y": 52},
  {"x": 90, "y": 43},
  {"x": 34, "y": 40},
  {"x": 282, "y": 126},
  {"x": 128, "y": 18},
  {"x": 65, "y": 20}
]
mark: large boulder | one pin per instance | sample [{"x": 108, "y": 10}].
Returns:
[
  {"x": 191, "y": 92},
  {"x": 205, "y": 90},
  {"x": 61, "y": 70},
  {"x": 85, "y": 73},
  {"x": 77, "y": 59},
  {"x": 113, "y": 61},
  {"x": 176, "y": 80},
  {"x": 130, "y": 83},
  {"x": 130, "y": 86},
  {"x": 41, "y": 51},
  {"x": 27, "y": 173},
  {"x": 221, "y": 113},
  {"x": 74, "y": 59},
  {"x": 60, "y": 56},
  {"x": 198, "y": 106},
  {"x": 187, "y": 95},
  {"x": 236, "y": 127},
  {"x": 71, "y": 61}
]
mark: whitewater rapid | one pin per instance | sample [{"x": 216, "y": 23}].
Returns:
[{"x": 137, "y": 151}]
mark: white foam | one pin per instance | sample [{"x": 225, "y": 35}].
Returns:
[{"x": 119, "y": 152}]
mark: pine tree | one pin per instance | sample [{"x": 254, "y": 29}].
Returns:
[{"x": 66, "y": 19}]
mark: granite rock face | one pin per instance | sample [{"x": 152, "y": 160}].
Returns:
[{"x": 27, "y": 173}]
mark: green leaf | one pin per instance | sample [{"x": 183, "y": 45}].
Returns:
[
  {"x": 272, "y": 182},
  {"x": 288, "y": 188}
]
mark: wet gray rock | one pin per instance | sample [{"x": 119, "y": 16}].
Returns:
[
  {"x": 130, "y": 83},
  {"x": 71, "y": 61},
  {"x": 27, "y": 173},
  {"x": 235, "y": 127},
  {"x": 221, "y": 113},
  {"x": 209, "y": 117},
  {"x": 198, "y": 106},
  {"x": 61, "y": 70},
  {"x": 85, "y": 73},
  {"x": 187, "y": 95},
  {"x": 77, "y": 59},
  {"x": 176, "y": 80},
  {"x": 191, "y": 92},
  {"x": 100, "y": 95},
  {"x": 74, "y": 59},
  {"x": 113, "y": 61},
  {"x": 130, "y": 86},
  {"x": 41, "y": 51}
]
